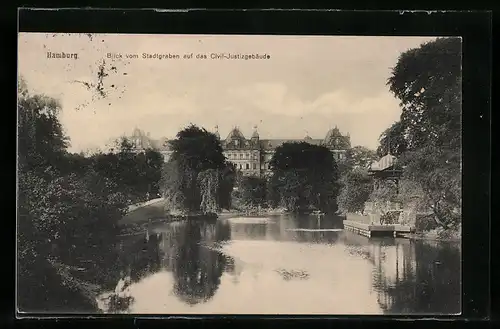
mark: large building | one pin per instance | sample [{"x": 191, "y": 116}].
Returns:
[{"x": 250, "y": 155}]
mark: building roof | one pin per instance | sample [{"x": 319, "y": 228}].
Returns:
[
  {"x": 385, "y": 162},
  {"x": 162, "y": 144},
  {"x": 334, "y": 138},
  {"x": 271, "y": 144},
  {"x": 235, "y": 133}
]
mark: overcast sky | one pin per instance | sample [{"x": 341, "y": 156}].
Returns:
[{"x": 309, "y": 84}]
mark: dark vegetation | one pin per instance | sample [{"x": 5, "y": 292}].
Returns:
[
  {"x": 426, "y": 139},
  {"x": 197, "y": 178},
  {"x": 68, "y": 209}
]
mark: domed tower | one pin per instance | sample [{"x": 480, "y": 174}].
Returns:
[
  {"x": 335, "y": 140},
  {"x": 255, "y": 136},
  {"x": 235, "y": 138}
]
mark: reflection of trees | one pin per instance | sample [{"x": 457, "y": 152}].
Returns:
[
  {"x": 197, "y": 268},
  {"x": 137, "y": 260},
  {"x": 146, "y": 258},
  {"x": 427, "y": 279}
]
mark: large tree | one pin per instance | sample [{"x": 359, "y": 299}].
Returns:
[
  {"x": 196, "y": 168},
  {"x": 427, "y": 80},
  {"x": 67, "y": 212},
  {"x": 304, "y": 176},
  {"x": 41, "y": 139}
]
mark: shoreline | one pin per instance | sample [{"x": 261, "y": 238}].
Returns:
[
  {"x": 229, "y": 214},
  {"x": 424, "y": 236}
]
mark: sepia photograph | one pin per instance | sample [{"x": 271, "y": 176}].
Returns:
[{"x": 239, "y": 174}]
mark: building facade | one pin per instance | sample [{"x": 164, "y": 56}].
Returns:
[{"x": 251, "y": 156}]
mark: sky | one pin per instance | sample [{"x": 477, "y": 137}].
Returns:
[{"x": 308, "y": 84}]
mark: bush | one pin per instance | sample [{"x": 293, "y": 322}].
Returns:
[
  {"x": 355, "y": 191},
  {"x": 424, "y": 223}
]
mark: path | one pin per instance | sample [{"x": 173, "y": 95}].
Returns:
[{"x": 143, "y": 211}]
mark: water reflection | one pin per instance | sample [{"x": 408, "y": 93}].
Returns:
[
  {"x": 426, "y": 278},
  {"x": 411, "y": 277},
  {"x": 146, "y": 258},
  {"x": 283, "y": 264},
  {"x": 197, "y": 268},
  {"x": 295, "y": 228}
]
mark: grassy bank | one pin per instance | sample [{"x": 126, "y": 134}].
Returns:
[
  {"x": 155, "y": 211},
  {"x": 140, "y": 214}
]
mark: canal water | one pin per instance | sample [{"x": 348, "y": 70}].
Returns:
[{"x": 282, "y": 265}]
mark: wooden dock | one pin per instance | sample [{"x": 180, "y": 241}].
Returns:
[{"x": 372, "y": 230}]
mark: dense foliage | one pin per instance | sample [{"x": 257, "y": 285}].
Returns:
[
  {"x": 427, "y": 80},
  {"x": 360, "y": 157},
  {"x": 68, "y": 209},
  {"x": 251, "y": 192},
  {"x": 392, "y": 141},
  {"x": 197, "y": 177},
  {"x": 304, "y": 177},
  {"x": 356, "y": 187},
  {"x": 427, "y": 138},
  {"x": 137, "y": 174}
]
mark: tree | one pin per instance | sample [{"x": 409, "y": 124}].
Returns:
[
  {"x": 355, "y": 191},
  {"x": 154, "y": 162},
  {"x": 198, "y": 149},
  {"x": 195, "y": 151},
  {"x": 208, "y": 181},
  {"x": 253, "y": 190},
  {"x": 438, "y": 173},
  {"x": 392, "y": 140},
  {"x": 304, "y": 176},
  {"x": 173, "y": 180},
  {"x": 427, "y": 80},
  {"x": 360, "y": 157},
  {"x": 41, "y": 140},
  {"x": 67, "y": 211},
  {"x": 228, "y": 181}
]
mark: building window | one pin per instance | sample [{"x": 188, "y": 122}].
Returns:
[
  {"x": 241, "y": 155},
  {"x": 254, "y": 166},
  {"x": 241, "y": 167},
  {"x": 248, "y": 155},
  {"x": 247, "y": 166},
  {"x": 268, "y": 166}
]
